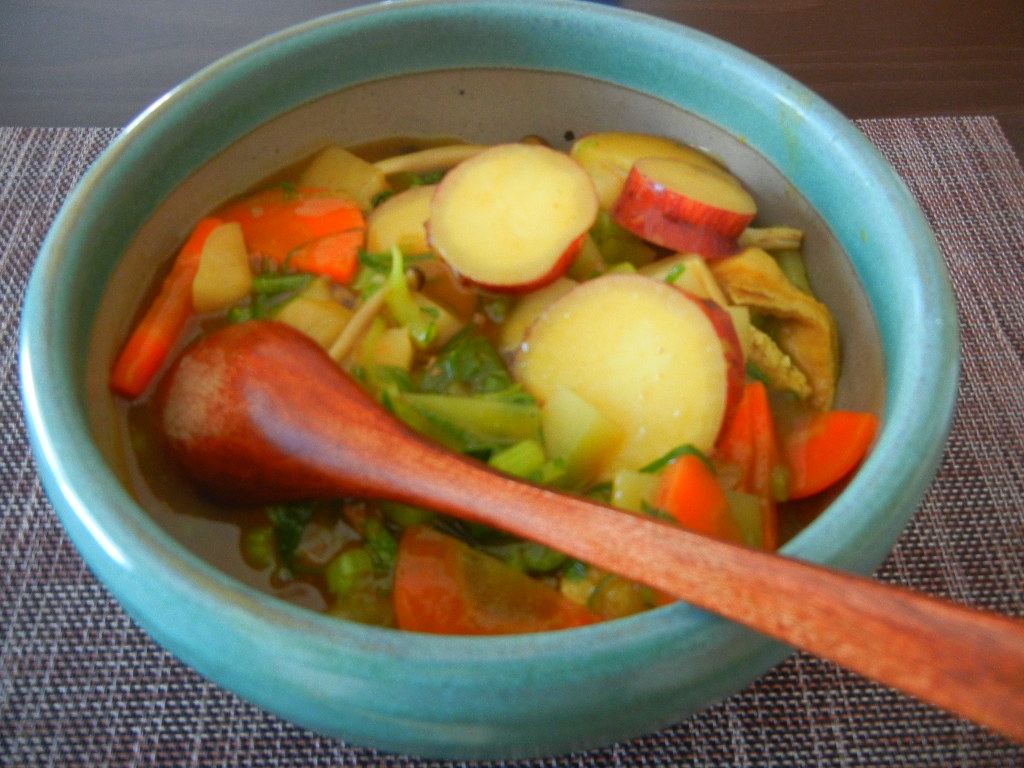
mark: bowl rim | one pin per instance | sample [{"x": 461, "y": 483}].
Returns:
[{"x": 106, "y": 523}]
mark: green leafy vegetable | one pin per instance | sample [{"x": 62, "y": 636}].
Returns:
[
  {"x": 618, "y": 245},
  {"x": 382, "y": 546},
  {"x": 467, "y": 364},
  {"x": 289, "y": 521}
]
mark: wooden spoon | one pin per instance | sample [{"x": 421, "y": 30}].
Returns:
[{"x": 257, "y": 413}]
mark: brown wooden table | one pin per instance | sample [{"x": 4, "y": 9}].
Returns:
[{"x": 100, "y": 62}]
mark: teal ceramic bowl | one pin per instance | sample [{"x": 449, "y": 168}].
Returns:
[{"x": 486, "y": 70}]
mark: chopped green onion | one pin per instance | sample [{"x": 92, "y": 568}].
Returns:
[
  {"x": 403, "y": 308},
  {"x": 270, "y": 283},
  {"x": 682, "y": 450},
  {"x": 675, "y": 273}
]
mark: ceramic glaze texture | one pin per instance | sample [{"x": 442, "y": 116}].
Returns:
[{"x": 484, "y": 71}]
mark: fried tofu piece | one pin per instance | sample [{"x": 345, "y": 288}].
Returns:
[
  {"x": 772, "y": 238},
  {"x": 801, "y": 326},
  {"x": 776, "y": 365}
]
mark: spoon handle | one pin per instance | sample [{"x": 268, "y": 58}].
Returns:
[{"x": 967, "y": 661}]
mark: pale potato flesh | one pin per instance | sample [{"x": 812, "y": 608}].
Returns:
[
  {"x": 641, "y": 351},
  {"x": 340, "y": 171},
  {"x": 526, "y": 310},
  {"x": 400, "y": 221},
  {"x": 322, "y": 320},
  {"x": 508, "y": 215},
  {"x": 579, "y": 434},
  {"x": 224, "y": 275}
]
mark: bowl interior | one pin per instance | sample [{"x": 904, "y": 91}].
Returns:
[{"x": 483, "y": 105}]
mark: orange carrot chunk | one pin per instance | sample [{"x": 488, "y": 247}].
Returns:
[
  {"x": 335, "y": 255},
  {"x": 161, "y": 326},
  {"x": 690, "y": 492},
  {"x": 444, "y": 586},
  {"x": 823, "y": 448},
  {"x": 750, "y": 442},
  {"x": 308, "y": 229}
]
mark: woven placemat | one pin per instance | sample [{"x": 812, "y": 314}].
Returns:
[{"x": 81, "y": 685}]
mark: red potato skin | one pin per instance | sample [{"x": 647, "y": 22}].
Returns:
[
  {"x": 558, "y": 269},
  {"x": 733, "y": 352},
  {"x": 678, "y": 206},
  {"x": 669, "y": 219}
]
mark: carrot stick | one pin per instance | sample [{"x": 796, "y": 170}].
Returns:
[
  {"x": 161, "y": 326},
  {"x": 691, "y": 493},
  {"x": 750, "y": 442},
  {"x": 825, "y": 447},
  {"x": 444, "y": 586},
  {"x": 282, "y": 220}
]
